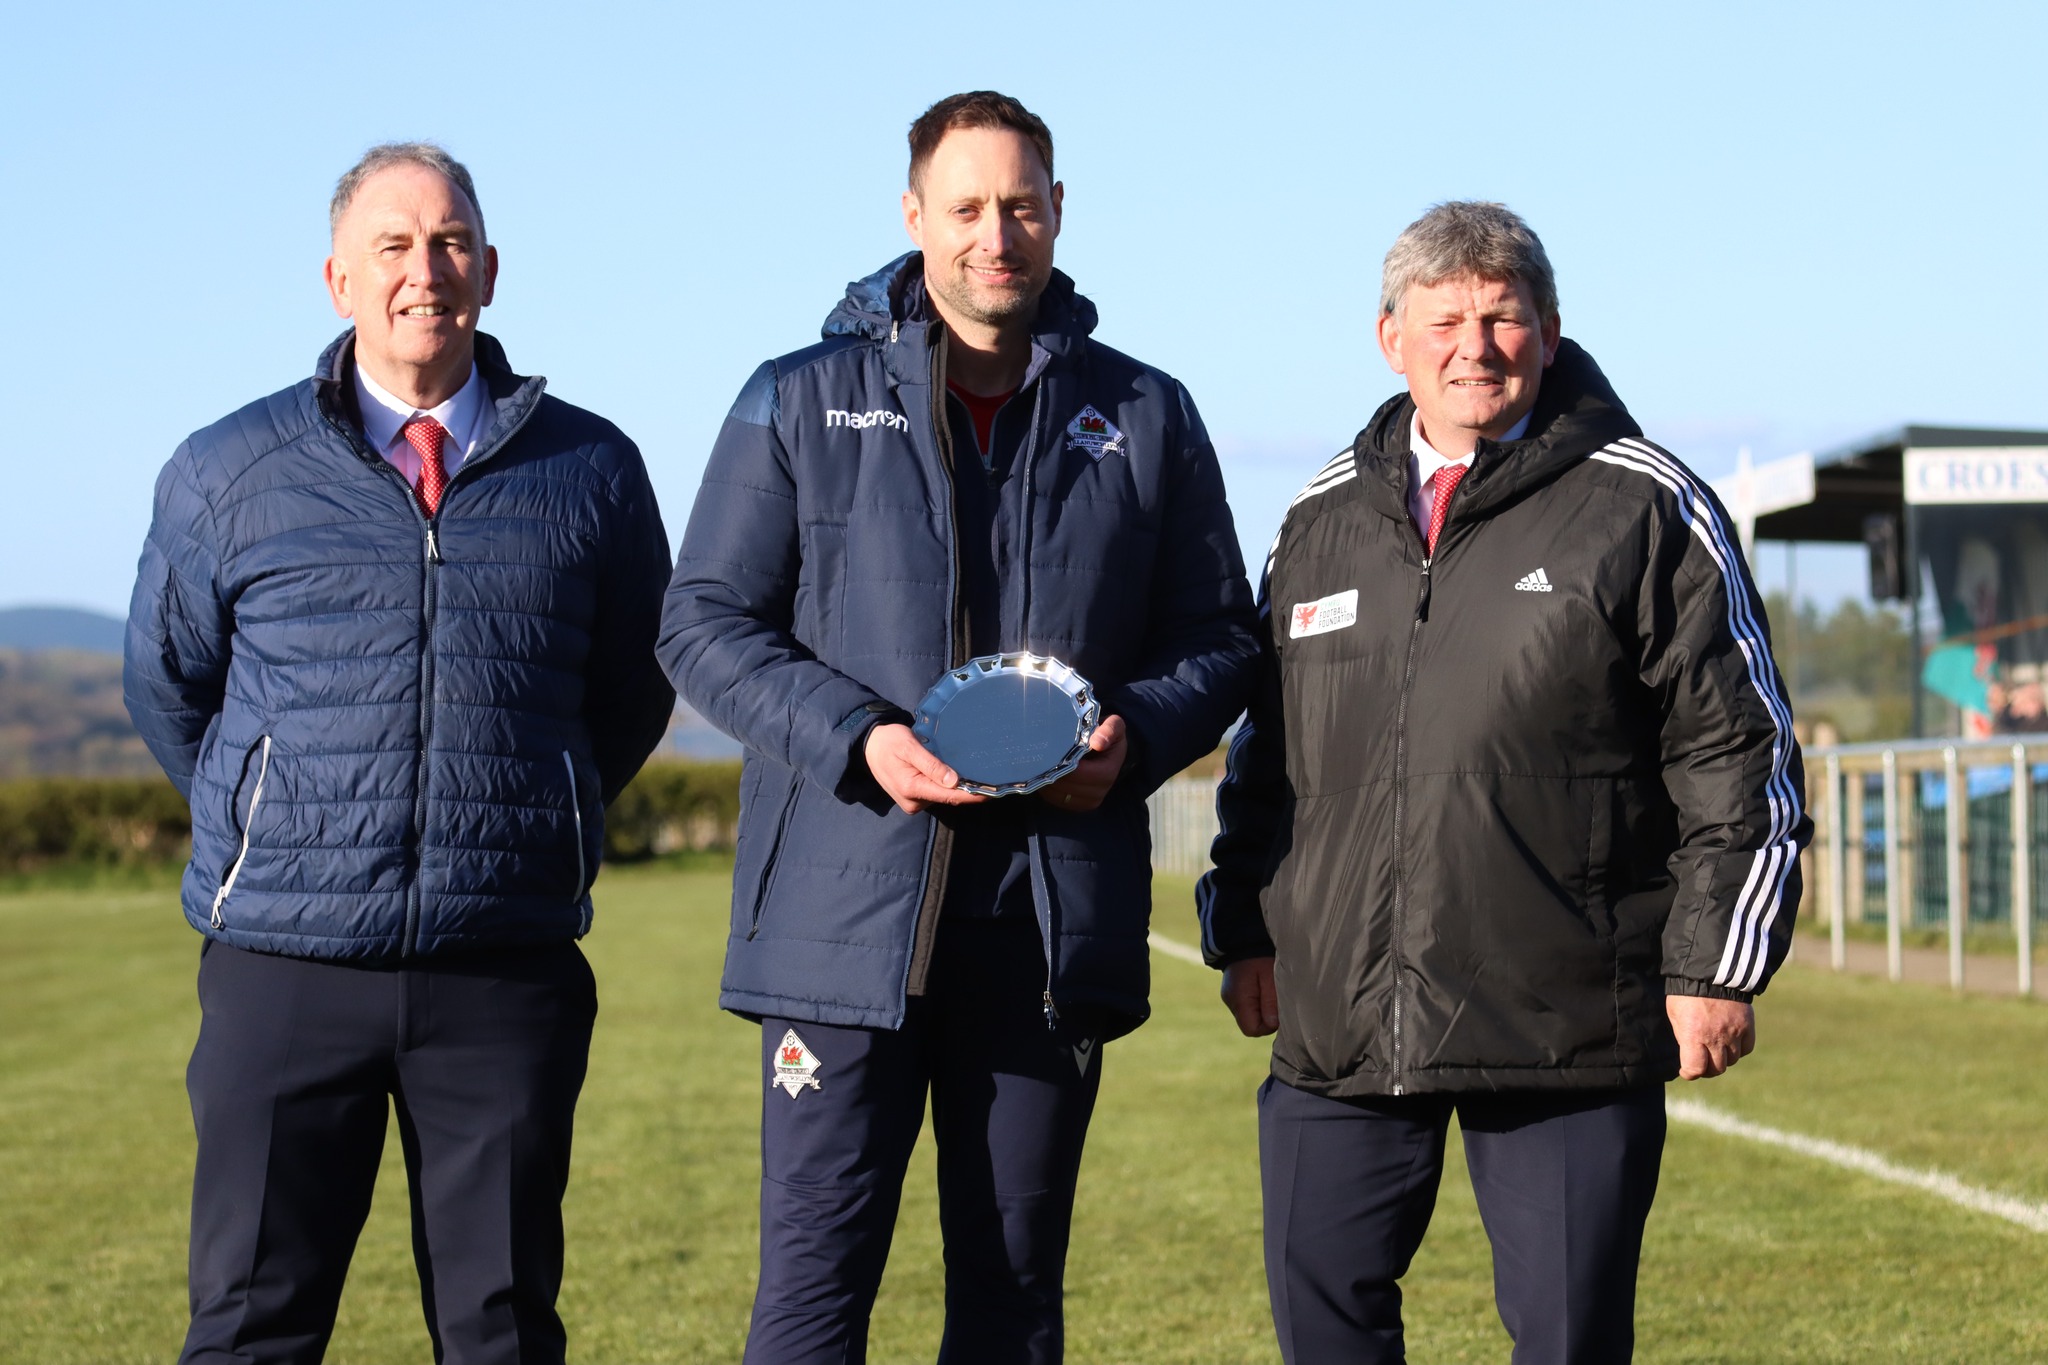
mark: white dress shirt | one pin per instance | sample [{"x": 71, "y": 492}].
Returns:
[
  {"x": 1424, "y": 462},
  {"x": 465, "y": 418}
]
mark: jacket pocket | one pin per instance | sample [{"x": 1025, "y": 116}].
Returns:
[
  {"x": 768, "y": 864},
  {"x": 819, "y": 608},
  {"x": 582, "y": 858},
  {"x": 234, "y": 869}
]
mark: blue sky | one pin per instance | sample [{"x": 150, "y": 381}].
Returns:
[{"x": 1776, "y": 226}]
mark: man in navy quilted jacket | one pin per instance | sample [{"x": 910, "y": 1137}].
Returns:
[
  {"x": 393, "y": 638},
  {"x": 957, "y": 470}
]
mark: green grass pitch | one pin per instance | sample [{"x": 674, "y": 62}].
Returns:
[{"x": 1755, "y": 1255}]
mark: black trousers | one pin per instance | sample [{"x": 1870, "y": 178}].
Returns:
[
  {"x": 1011, "y": 1099},
  {"x": 1564, "y": 1182},
  {"x": 297, "y": 1061}
]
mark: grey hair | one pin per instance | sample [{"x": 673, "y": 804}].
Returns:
[
  {"x": 383, "y": 157},
  {"x": 1467, "y": 237}
]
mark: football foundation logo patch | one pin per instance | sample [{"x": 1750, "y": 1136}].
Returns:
[
  {"x": 1323, "y": 615},
  {"x": 796, "y": 1066}
]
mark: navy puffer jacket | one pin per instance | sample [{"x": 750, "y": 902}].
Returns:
[
  {"x": 818, "y": 588},
  {"x": 398, "y": 735}
]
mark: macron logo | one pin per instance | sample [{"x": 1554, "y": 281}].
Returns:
[
  {"x": 879, "y": 417},
  {"x": 1535, "y": 582}
]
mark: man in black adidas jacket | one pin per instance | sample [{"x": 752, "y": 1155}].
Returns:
[{"x": 1513, "y": 827}]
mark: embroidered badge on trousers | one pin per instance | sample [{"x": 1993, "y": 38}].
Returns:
[
  {"x": 1094, "y": 433},
  {"x": 1084, "y": 1051},
  {"x": 796, "y": 1066}
]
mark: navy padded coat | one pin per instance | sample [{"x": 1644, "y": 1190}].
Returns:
[
  {"x": 818, "y": 588},
  {"x": 398, "y": 735}
]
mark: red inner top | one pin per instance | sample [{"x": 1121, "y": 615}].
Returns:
[{"x": 982, "y": 411}]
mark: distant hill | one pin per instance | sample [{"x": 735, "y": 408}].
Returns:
[
  {"x": 60, "y": 628},
  {"x": 691, "y": 736},
  {"x": 61, "y": 711},
  {"x": 61, "y": 715}
]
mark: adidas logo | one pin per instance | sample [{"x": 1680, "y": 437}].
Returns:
[{"x": 1534, "y": 582}]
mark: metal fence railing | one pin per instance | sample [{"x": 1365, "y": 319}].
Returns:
[
  {"x": 1183, "y": 823},
  {"x": 1974, "y": 875},
  {"x": 1932, "y": 834}
]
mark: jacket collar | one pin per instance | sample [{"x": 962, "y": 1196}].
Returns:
[
  {"x": 1576, "y": 413},
  {"x": 893, "y": 307},
  {"x": 512, "y": 395}
]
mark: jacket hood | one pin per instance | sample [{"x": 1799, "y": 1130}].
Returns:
[
  {"x": 893, "y": 307},
  {"x": 1577, "y": 412}
]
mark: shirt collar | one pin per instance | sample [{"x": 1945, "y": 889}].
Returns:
[
  {"x": 1424, "y": 459},
  {"x": 385, "y": 413}
]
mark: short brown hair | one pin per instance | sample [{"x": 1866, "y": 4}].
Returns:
[{"x": 974, "y": 109}]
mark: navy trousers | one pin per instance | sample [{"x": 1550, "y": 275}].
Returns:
[
  {"x": 1564, "y": 1182},
  {"x": 1010, "y": 1101},
  {"x": 296, "y": 1065}
]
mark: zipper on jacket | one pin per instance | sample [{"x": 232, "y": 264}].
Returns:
[
  {"x": 1401, "y": 810},
  {"x": 1027, "y": 480},
  {"x": 1042, "y": 907},
  {"x": 961, "y": 645},
  {"x": 428, "y": 604},
  {"x": 924, "y": 933},
  {"x": 774, "y": 852},
  {"x": 1028, "y": 486},
  {"x": 354, "y": 440},
  {"x": 227, "y": 884},
  {"x": 582, "y": 866}
]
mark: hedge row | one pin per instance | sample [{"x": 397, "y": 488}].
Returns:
[
  {"x": 91, "y": 821},
  {"x": 52, "y": 822},
  {"x": 674, "y": 805}
]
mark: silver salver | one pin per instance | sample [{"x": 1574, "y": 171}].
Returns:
[{"x": 1008, "y": 723}]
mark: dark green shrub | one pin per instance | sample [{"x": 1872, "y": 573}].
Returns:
[
  {"x": 54, "y": 822},
  {"x": 91, "y": 822},
  {"x": 673, "y": 806}
]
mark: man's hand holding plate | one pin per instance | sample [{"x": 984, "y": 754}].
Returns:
[
  {"x": 910, "y": 774},
  {"x": 1088, "y": 785}
]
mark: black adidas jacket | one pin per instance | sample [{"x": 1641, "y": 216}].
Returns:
[{"x": 1487, "y": 809}]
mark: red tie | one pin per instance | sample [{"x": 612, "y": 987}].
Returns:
[
  {"x": 1444, "y": 481},
  {"x": 425, "y": 435}
]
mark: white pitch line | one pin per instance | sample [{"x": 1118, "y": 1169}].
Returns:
[
  {"x": 1163, "y": 944},
  {"x": 1940, "y": 1184},
  {"x": 2029, "y": 1215}
]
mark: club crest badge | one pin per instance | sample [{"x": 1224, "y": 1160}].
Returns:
[
  {"x": 1096, "y": 434},
  {"x": 796, "y": 1066}
]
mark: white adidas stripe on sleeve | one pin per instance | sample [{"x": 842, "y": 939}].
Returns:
[
  {"x": 1342, "y": 468},
  {"x": 1762, "y": 896}
]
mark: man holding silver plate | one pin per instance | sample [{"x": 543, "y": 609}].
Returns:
[{"x": 963, "y": 582}]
